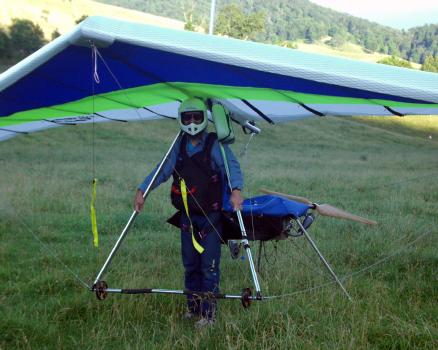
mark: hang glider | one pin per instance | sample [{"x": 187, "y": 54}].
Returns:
[{"x": 112, "y": 70}]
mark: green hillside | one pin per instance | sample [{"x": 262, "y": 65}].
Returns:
[
  {"x": 42, "y": 20},
  {"x": 297, "y": 23},
  {"x": 62, "y": 15},
  {"x": 302, "y": 20}
]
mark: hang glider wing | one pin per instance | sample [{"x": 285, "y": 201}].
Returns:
[{"x": 108, "y": 70}]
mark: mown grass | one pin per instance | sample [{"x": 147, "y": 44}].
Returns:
[{"x": 383, "y": 171}]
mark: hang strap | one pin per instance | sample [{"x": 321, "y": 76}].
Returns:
[
  {"x": 93, "y": 215},
  {"x": 183, "y": 186}
]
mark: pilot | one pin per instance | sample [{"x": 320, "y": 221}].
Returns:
[{"x": 198, "y": 191}]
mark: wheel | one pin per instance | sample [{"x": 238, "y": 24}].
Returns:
[
  {"x": 100, "y": 289},
  {"x": 246, "y": 297}
]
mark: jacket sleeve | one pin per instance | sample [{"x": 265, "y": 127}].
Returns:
[
  {"x": 236, "y": 176},
  {"x": 166, "y": 170}
]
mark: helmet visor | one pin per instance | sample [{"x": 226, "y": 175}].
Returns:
[{"x": 196, "y": 117}]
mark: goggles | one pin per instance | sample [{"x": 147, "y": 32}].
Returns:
[{"x": 196, "y": 117}]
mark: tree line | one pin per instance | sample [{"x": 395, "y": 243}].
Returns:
[
  {"x": 20, "y": 39},
  {"x": 292, "y": 20},
  {"x": 23, "y": 37}
]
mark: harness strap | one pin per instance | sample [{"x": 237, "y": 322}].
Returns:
[{"x": 183, "y": 187}]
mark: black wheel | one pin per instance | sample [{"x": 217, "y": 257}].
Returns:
[
  {"x": 246, "y": 297},
  {"x": 100, "y": 290}
]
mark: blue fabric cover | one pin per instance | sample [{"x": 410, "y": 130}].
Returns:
[{"x": 272, "y": 206}]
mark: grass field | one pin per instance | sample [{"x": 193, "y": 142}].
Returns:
[{"x": 384, "y": 169}]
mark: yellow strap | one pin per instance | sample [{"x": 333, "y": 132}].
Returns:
[
  {"x": 183, "y": 187},
  {"x": 184, "y": 196},
  {"x": 93, "y": 216}
]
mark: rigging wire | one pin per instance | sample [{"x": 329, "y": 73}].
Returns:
[
  {"x": 47, "y": 249},
  {"x": 243, "y": 153},
  {"x": 150, "y": 75},
  {"x": 355, "y": 273},
  {"x": 349, "y": 276},
  {"x": 314, "y": 266},
  {"x": 128, "y": 98},
  {"x": 95, "y": 79},
  {"x": 257, "y": 255}
]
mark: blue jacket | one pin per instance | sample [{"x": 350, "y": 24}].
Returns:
[{"x": 217, "y": 164}]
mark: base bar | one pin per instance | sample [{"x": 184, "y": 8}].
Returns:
[{"x": 180, "y": 292}]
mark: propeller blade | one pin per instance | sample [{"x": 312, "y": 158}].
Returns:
[
  {"x": 288, "y": 196},
  {"x": 323, "y": 209},
  {"x": 328, "y": 210}
]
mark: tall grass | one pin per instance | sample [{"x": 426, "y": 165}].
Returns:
[{"x": 383, "y": 171}]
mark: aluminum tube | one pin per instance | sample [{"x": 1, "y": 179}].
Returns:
[
  {"x": 251, "y": 127},
  {"x": 242, "y": 229},
  {"x": 248, "y": 252},
  {"x": 133, "y": 216},
  {"x": 323, "y": 260},
  {"x": 184, "y": 292}
]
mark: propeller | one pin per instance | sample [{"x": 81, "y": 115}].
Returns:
[{"x": 323, "y": 209}]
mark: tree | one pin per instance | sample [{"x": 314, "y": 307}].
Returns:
[
  {"x": 289, "y": 20},
  {"x": 232, "y": 21},
  {"x": 370, "y": 42},
  {"x": 55, "y": 34},
  {"x": 393, "y": 49},
  {"x": 5, "y": 44},
  {"x": 191, "y": 22},
  {"x": 309, "y": 35},
  {"x": 190, "y": 26},
  {"x": 395, "y": 61},
  {"x": 430, "y": 64},
  {"x": 81, "y": 19},
  {"x": 26, "y": 37},
  {"x": 188, "y": 16},
  {"x": 336, "y": 41}
]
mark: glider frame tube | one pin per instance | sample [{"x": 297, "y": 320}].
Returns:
[
  {"x": 181, "y": 292},
  {"x": 324, "y": 261},
  {"x": 133, "y": 216},
  {"x": 243, "y": 231}
]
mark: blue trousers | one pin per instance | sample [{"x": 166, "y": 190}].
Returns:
[{"x": 201, "y": 271}]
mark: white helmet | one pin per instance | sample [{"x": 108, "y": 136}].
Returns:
[{"x": 192, "y": 116}]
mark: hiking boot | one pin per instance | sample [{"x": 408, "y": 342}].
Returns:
[
  {"x": 204, "y": 323},
  {"x": 234, "y": 248}
]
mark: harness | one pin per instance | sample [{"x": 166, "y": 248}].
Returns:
[{"x": 202, "y": 185}]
